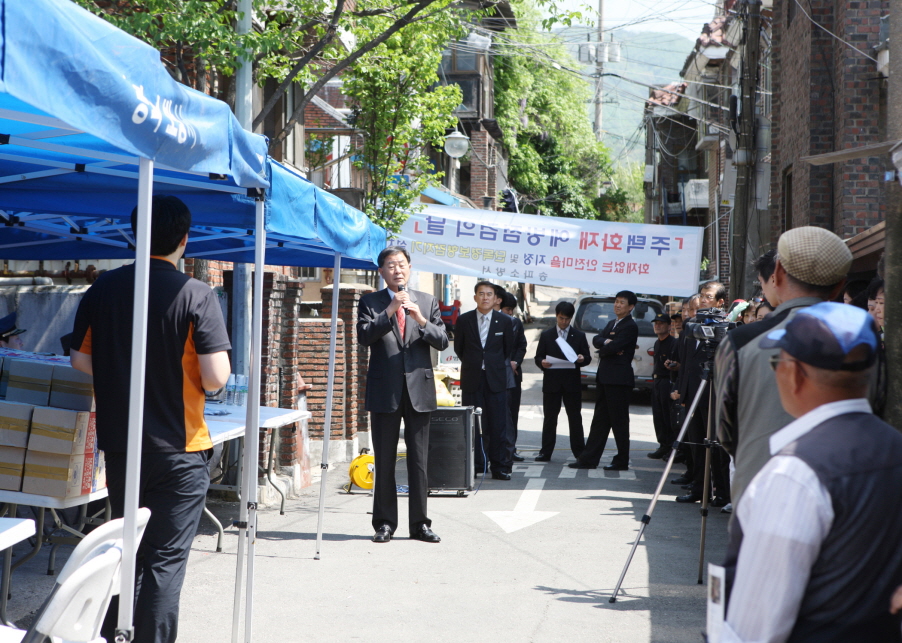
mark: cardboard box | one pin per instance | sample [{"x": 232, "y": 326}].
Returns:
[
  {"x": 71, "y": 389},
  {"x": 12, "y": 467},
  {"x": 15, "y": 423},
  {"x": 59, "y": 476},
  {"x": 4, "y": 375},
  {"x": 62, "y": 431},
  {"x": 29, "y": 382}
]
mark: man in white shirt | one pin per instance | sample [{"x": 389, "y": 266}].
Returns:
[{"x": 815, "y": 545}]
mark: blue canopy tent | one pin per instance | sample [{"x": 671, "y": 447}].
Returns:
[{"x": 89, "y": 118}]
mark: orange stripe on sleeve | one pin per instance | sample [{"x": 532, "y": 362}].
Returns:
[
  {"x": 86, "y": 343},
  {"x": 197, "y": 436}
]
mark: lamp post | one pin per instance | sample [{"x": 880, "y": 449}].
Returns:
[{"x": 456, "y": 144}]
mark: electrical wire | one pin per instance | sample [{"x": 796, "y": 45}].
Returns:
[{"x": 847, "y": 44}]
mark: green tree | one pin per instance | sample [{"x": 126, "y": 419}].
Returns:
[{"x": 401, "y": 108}]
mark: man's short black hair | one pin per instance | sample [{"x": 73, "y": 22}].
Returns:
[
  {"x": 855, "y": 288},
  {"x": 766, "y": 264},
  {"x": 499, "y": 291},
  {"x": 392, "y": 250},
  {"x": 720, "y": 292},
  {"x": 875, "y": 287},
  {"x": 510, "y": 301},
  {"x": 629, "y": 295},
  {"x": 565, "y": 308},
  {"x": 480, "y": 284},
  {"x": 170, "y": 221}
]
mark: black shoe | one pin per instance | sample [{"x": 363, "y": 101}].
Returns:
[
  {"x": 683, "y": 479},
  {"x": 425, "y": 534},
  {"x": 543, "y": 458},
  {"x": 517, "y": 457},
  {"x": 687, "y": 487},
  {"x": 382, "y": 535},
  {"x": 579, "y": 465},
  {"x": 616, "y": 467},
  {"x": 663, "y": 452},
  {"x": 720, "y": 501},
  {"x": 692, "y": 496},
  {"x": 500, "y": 475}
]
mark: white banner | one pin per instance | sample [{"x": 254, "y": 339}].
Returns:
[{"x": 596, "y": 256}]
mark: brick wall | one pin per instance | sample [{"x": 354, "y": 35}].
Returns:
[
  {"x": 482, "y": 177},
  {"x": 312, "y": 343}
]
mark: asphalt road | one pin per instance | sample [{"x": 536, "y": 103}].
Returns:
[{"x": 532, "y": 559}]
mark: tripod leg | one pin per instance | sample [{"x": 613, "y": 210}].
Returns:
[
  {"x": 706, "y": 490},
  {"x": 654, "y": 499}
]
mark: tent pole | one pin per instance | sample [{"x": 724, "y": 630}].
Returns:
[
  {"x": 252, "y": 435},
  {"x": 330, "y": 396},
  {"x": 125, "y": 629}
]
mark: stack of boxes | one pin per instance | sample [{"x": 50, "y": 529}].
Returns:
[{"x": 48, "y": 437}]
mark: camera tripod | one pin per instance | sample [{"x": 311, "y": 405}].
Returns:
[{"x": 709, "y": 348}]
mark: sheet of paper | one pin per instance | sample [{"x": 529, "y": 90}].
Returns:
[
  {"x": 716, "y": 587},
  {"x": 568, "y": 351},
  {"x": 557, "y": 362}
]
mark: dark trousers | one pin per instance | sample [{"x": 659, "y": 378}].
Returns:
[
  {"x": 174, "y": 487},
  {"x": 514, "y": 395},
  {"x": 697, "y": 434},
  {"x": 497, "y": 440},
  {"x": 551, "y": 405},
  {"x": 660, "y": 410},
  {"x": 386, "y": 432},
  {"x": 612, "y": 413}
]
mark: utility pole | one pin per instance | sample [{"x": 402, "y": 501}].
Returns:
[
  {"x": 744, "y": 156},
  {"x": 893, "y": 260},
  {"x": 599, "y": 70},
  {"x": 241, "y": 273}
]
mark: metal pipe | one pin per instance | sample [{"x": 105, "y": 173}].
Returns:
[{"x": 330, "y": 396}]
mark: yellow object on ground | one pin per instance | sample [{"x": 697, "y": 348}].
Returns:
[
  {"x": 443, "y": 396},
  {"x": 361, "y": 470}
]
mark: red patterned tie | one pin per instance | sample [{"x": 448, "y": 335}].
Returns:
[{"x": 401, "y": 322}]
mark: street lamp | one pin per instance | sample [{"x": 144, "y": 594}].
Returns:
[{"x": 456, "y": 144}]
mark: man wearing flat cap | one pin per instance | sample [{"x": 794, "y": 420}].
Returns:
[
  {"x": 9, "y": 334},
  {"x": 814, "y": 545},
  {"x": 811, "y": 267}
]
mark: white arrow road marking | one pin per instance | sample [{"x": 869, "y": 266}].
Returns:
[
  {"x": 567, "y": 472},
  {"x": 524, "y": 514}
]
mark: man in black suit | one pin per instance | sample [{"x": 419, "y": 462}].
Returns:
[
  {"x": 506, "y": 303},
  {"x": 399, "y": 326},
  {"x": 484, "y": 343},
  {"x": 616, "y": 346},
  {"x": 562, "y": 384},
  {"x": 665, "y": 354}
]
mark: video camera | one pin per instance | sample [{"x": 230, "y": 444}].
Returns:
[{"x": 711, "y": 324}]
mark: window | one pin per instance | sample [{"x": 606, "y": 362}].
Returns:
[{"x": 308, "y": 272}]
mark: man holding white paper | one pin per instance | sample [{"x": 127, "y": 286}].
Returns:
[{"x": 561, "y": 352}]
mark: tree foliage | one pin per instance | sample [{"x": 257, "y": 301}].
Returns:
[
  {"x": 555, "y": 161},
  {"x": 401, "y": 109}
]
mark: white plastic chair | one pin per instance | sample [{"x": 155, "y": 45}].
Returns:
[{"x": 75, "y": 612}]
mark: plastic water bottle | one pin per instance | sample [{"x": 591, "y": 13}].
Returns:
[
  {"x": 242, "y": 390},
  {"x": 230, "y": 390}
]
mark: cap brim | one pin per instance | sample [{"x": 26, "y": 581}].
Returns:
[{"x": 772, "y": 339}]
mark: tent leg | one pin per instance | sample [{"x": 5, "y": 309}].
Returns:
[
  {"x": 330, "y": 396},
  {"x": 125, "y": 629}
]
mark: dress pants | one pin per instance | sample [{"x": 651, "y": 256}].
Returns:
[
  {"x": 174, "y": 488},
  {"x": 612, "y": 413},
  {"x": 386, "y": 432},
  {"x": 551, "y": 406},
  {"x": 497, "y": 440},
  {"x": 696, "y": 435},
  {"x": 660, "y": 411},
  {"x": 514, "y": 396}
]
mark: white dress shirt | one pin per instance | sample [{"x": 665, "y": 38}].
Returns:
[
  {"x": 785, "y": 515},
  {"x": 563, "y": 332}
]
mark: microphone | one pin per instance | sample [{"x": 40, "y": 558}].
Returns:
[{"x": 402, "y": 288}]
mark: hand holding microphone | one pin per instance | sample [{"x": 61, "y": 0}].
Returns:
[{"x": 403, "y": 297}]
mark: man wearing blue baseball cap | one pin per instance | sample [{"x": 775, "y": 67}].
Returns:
[
  {"x": 815, "y": 543},
  {"x": 9, "y": 332}
]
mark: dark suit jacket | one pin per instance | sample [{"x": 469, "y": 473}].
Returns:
[
  {"x": 563, "y": 380},
  {"x": 613, "y": 368},
  {"x": 499, "y": 346},
  {"x": 516, "y": 377},
  {"x": 689, "y": 377},
  {"x": 393, "y": 360}
]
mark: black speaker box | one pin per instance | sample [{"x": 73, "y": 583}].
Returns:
[{"x": 450, "y": 463}]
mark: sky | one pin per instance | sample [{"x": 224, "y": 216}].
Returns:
[{"x": 683, "y": 17}]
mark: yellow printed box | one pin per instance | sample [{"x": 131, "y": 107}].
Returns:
[
  {"x": 15, "y": 423},
  {"x": 71, "y": 389},
  {"x": 29, "y": 382},
  {"x": 62, "y": 431},
  {"x": 12, "y": 466},
  {"x": 59, "y": 476}
]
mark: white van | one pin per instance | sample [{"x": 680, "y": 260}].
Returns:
[{"x": 593, "y": 312}]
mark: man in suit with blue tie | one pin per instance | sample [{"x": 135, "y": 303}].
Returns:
[
  {"x": 484, "y": 343},
  {"x": 616, "y": 346},
  {"x": 562, "y": 384},
  {"x": 400, "y": 326}
]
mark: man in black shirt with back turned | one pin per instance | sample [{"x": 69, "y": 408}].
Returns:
[
  {"x": 186, "y": 355},
  {"x": 665, "y": 353}
]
